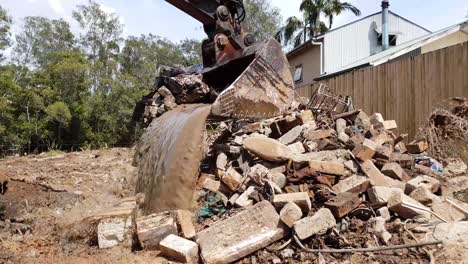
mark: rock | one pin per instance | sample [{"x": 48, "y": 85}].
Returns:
[
  {"x": 259, "y": 174},
  {"x": 185, "y": 224},
  {"x": 366, "y": 150},
  {"x": 403, "y": 205},
  {"x": 319, "y": 223},
  {"x": 328, "y": 167},
  {"x": 384, "y": 213},
  {"x": 375, "y": 176},
  {"x": 291, "y": 136},
  {"x": 343, "y": 137},
  {"x": 376, "y": 119},
  {"x": 179, "y": 249},
  {"x": 451, "y": 233},
  {"x": 290, "y": 213},
  {"x": 287, "y": 253},
  {"x": 297, "y": 148},
  {"x": 362, "y": 120},
  {"x": 232, "y": 179},
  {"x": 377, "y": 226},
  {"x": 393, "y": 170},
  {"x": 342, "y": 204},
  {"x": 354, "y": 184},
  {"x": 380, "y": 138},
  {"x": 300, "y": 198},
  {"x": 379, "y": 195},
  {"x": 240, "y": 235},
  {"x": 278, "y": 178},
  {"x": 456, "y": 166},
  {"x": 244, "y": 199},
  {"x": 447, "y": 211},
  {"x": 423, "y": 195},
  {"x": 395, "y": 183},
  {"x": 318, "y": 134},
  {"x": 153, "y": 228},
  {"x": 340, "y": 126},
  {"x": 430, "y": 183},
  {"x": 267, "y": 148},
  {"x": 234, "y": 198},
  {"x": 352, "y": 166},
  {"x": 211, "y": 184},
  {"x": 383, "y": 152},
  {"x": 112, "y": 231},
  {"x": 221, "y": 161},
  {"x": 306, "y": 116},
  {"x": 417, "y": 147},
  {"x": 390, "y": 125}
]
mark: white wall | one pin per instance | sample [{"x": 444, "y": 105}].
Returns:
[{"x": 358, "y": 40}]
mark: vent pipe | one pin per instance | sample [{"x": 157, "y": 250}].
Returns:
[{"x": 385, "y": 38}]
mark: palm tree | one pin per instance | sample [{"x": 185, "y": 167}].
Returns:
[{"x": 299, "y": 31}]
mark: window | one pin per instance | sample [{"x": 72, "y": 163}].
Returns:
[
  {"x": 298, "y": 74},
  {"x": 391, "y": 39}
]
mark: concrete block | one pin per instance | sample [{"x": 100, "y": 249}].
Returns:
[
  {"x": 291, "y": 136},
  {"x": 352, "y": 166},
  {"x": 112, "y": 231},
  {"x": 319, "y": 223},
  {"x": 267, "y": 148},
  {"x": 342, "y": 204},
  {"x": 354, "y": 184},
  {"x": 393, "y": 170},
  {"x": 185, "y": 224},
  {"x": 328, "y": 167},
  {"x": 319, "y": 134},
  {"x": 383, "y": 152},
  {"x": 153, "y": 228},
  {"x": 406, "y": 207},
  {"x": 379, "y": 195},
  {"x": 366, "y": 150},
  {"x": 179, "y": 249},
  {"x": 211, "y": 184},
  {"x": 417, "y": 147},
  {"x": 297, "y": 148},
  {"x": 423, "y": 195},
  {"x": 430, "y": 183},
  {"x": 232, "y": 179},
  {"x": 300, "y": 198},
  {"x": 375, "y": 176},
  {"x": 290, "y": 213},
  {"x": 242, "y": 234}
]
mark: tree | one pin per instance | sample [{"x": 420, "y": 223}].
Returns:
[
  {"x": 5, "y": 24},
  {"x": 59, "y": 113},
  {"x": 41, "y": 37},
  {"x": 299, "y": 31},
  {"x": 191, "y": 51},
  {"x": 262, "y": 20}
]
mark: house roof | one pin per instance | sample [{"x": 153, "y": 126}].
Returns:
[
  {"x": 399, "y": 50},
  {"x": 317, "y": 38}
]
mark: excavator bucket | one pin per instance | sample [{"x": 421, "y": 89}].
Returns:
[{"x": 263, "y": 89}]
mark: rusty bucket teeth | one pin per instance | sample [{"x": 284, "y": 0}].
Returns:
[{"x": 264, "y": 89}]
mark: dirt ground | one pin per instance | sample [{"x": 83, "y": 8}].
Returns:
[{"x": 50, "y": 192}]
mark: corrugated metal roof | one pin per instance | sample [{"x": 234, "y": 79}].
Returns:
[{"x": 400, "y": 50}]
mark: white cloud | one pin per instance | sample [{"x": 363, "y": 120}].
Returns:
[
  {"x": 56, "y": 6},
  {"x": 32, "y": 1}
]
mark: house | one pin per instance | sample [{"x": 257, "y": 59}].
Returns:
[
  {"x": 443, "y": 38},
  {"x": 342, "y": 46}
]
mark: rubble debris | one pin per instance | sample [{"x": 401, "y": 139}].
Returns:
[
  {"x": 384, "y": 213},
  {"x": 318, "y": 134},
  {"x": 319, "y": 223},
  {"x": 393, "y": 170},
  {"x": 242, "y": 234},
  {"x": 379, "y": 195},
  {"x": 328, "y": 167},
  {"x": 300, "y": 198},
  {"x": 366, "y": 150},
  {"x": 290, "y": 213},
  {"x": 153, "y": 228},
  {"x": 342, "y": 204},
  {"x": 430, "y": 183},
  {"x": 417, "y": 147},
  {"x": 179, "y": 249},
  {"x": 406, "y": 206},
  {"x": 185, "y": 224},
  {"x": 112, "y": 231},
  {"x": 354, "y": 184},
  {"x": 267, "y": 148},
  {"x": 375, "y": 176},
  {"x": 377, "y": 226}
]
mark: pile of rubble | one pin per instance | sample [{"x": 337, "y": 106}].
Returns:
[{"x": 343, "y": 183}]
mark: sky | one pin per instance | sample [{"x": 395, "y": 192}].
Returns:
[{"x": 160, "y": 18}]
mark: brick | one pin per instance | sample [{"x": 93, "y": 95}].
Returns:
[
  {"x": 240, "y": 235},
  {"x": 396, "y": 204},
  {"x": 404, "y": 160},
  {"x": 379, "y": 195},
  {"x": 342, "y": 204},
  {"x": 318, "y": 134},
  {"x": 291, "y": 136},
  {"x": 211, "y": 184},
  {"x": 430, "y": 183},
  {"x": 401, "y": 147},
  {"x": 153, "y": 228},
  {"x": 354, "y": 184},
  {"x": 375, "y": 176},
  {"x": 290, "y": 213},
  {"x": 393, "y": 170},
  {"x": 319, "y": 223},
  {"x": 112, "y": 231},
  {"x": 328, "y": 167},
  {"x": 297, "y": 148},
  {"x": 352, "y": 166},
  {"x": 390, "y": 125},
  {"x": 383, "y": 152},
  {"x": 366, "y": 150},
  {"x": 232, "y": 179},
  {"x": 267, "y": 148},
  {"x": 380, "y": 138},
  {"x": 300, "y": 198},
  {"x": 179, "y": 249},
  {"x": 185, "y": 224},
  {"x": 417, "y": 147},
  {"x": 244, "y": 199}
]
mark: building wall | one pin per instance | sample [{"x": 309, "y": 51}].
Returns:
[
  {"x": 310, "y": 60},
  {"x": 356, "y": 41},
  {"x": 450, "y": 40}
]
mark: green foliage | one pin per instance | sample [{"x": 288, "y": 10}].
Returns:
[
  {"x": 66, "y": 92},
  {"x": 262, "y": 20},
  {"x": 5, "y": 24}
]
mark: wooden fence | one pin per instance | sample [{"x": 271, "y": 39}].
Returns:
[{"x": 408, "y": 89}]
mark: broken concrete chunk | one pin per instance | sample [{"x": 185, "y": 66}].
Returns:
[
  {"x": 384, "y": 213},
  {"x": 395, "y": 183},
  {"x": 179, "y": 249},
  {"x": 366, "y": 150},
  {"x": 343, "y": 137},
  {"x": 244, "y": 200},
  {"x": 319, "y": 223},
  {"x": 407, "y": 207},
  {"x": 375, "y": 176},
  {"x": 306, "y": 116},
  {"x": 362, "y": 120},
  {"x": 297, "y": 148},
  {"x": 221, "y": 161},
  {"x": 112, "y": 231},
  {"x": 383, "y": 152},
  {"x": 259, "y": 174},
  {"x": 390, "y": 125},
  {"x": 232, "y": 179},
  {"x": 376, "y": 118},
  {"x": 291, "y": 136},
  {"x": 290, "y": 213},
  {"x": 393, "y": 170},
  {"x": 430, "y": 183},
  {"x": 318, "y": 134},
  {"x": 451, "y": 233},
  {"x": 354, "y": 184},
  {"x": 185, "y": 224},
  {"x": 300, "y": 198},
  {"x": 328, "y": 167},
  {"x": 211, "y": 184},
  {"x": 377, "y": 226},
  {"x": 423, "y": 195},
  {"x": 379, "y": 195},
  {"x": 342, "y": 204},
  {"x": 417, "y": 147},
  {"x": 278, "y": 178},
  {"x": 240, "y": 235},
  {"x": 267, "y": 148},
  {"x": 153, "y": 228},
  {"x": 340, "y": 126},
  {"x": 352, "y": 166}
]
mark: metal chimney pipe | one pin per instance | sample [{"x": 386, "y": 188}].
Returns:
[{"x": 385, "y": 37}]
